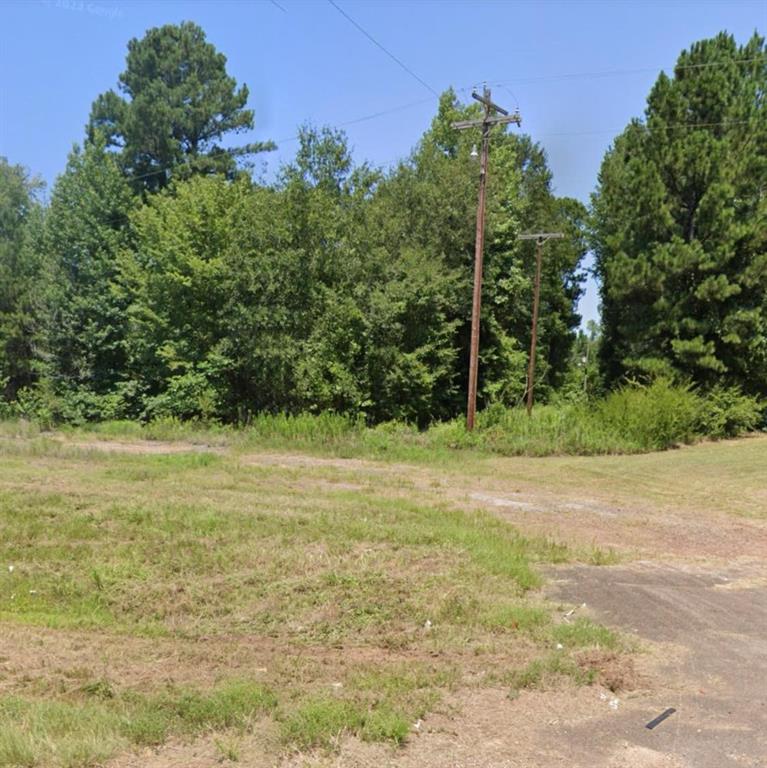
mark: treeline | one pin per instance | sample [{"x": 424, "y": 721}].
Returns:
[{"x": 162, "y": 280}]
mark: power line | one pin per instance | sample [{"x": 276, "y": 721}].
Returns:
[
  {"x": 600, "y": 131},
  {"x": 573, "y": 75},
  {"x": 670, "y": 125},
  {"x": 277, "y": 5},
  {"x": 375, "y": 42},
  {"x": 372, "y": 116},
  {"x": 622, "y": 72}
]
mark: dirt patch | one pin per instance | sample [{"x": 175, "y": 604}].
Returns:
[
  {"x": 638, "y": 530},
  {"x": 258, "y": 750},
  {"x": 38, "y": 658},
  {"x": 615, "y": 671},
  {"x": 140, "y": 447}
]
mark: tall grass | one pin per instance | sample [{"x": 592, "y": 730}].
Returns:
[{"x": 632, "y": 419}]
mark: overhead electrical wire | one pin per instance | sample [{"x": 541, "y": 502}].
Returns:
[
  {"x": 375, "y": 42},
  {"x": 501, "y": 84},
  {"x": 670, "y": 125},
  {"x": 622, "y": 72},
  {"x": 365, "y": 118},
  {"x": 158, "y": 171}
]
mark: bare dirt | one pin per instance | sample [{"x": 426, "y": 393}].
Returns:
[{"x": 694, "y": 596}]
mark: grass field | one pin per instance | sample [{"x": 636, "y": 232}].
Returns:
[{"x": 161, "y": 593}]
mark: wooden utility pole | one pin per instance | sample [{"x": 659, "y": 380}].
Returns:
[
  {"x": 486, "y": 123},
  {"x": 540, "y": 238}
]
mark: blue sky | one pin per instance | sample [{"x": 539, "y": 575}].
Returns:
[{"x": 578, "y": 71}]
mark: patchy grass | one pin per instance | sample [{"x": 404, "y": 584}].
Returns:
[
  {"x": 381, "y": 705},
  {"x": 88, "y": 730},
  {"x": 547, "y": 671},
  {"x": 337, "y": 584},
  {"x": 583, "y": 633},
  {"x": 584, "y": 652},
  {"x": 725, "y": 476},
  {"x": 200, "y": 544}
]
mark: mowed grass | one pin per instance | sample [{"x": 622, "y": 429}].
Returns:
[
  {"x": 367, "y": 600},
  {"x": 724, "y": 476}
]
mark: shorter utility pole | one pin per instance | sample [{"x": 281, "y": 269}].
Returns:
[
  {"x": 486, "y": 123},
  {"x": 540, "y": 238}
]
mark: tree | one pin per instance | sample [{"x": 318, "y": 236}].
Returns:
[
  {"x": 680, "y": 224},
  {"x": 20, "y": 218},
  {"x": 178, "y": 105},
  {"x": 337, "y": 288},
  {"x": 519, "y": 199},
  {"x": 174, "y": 280},
  {"x": 84, "y": 331}
]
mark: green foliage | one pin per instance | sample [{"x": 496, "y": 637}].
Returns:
[
  {"x": 653, "y": 417},
  {"x": 307, "y": 297},
  {"x": 20, "y": 264},
  {"x": 680, "y": 225},
  {"x": 633, "y": 419},
  {"x": 583, "y": 380},
  {"x": 344, "y": 290},
  {"x": 83, "y": 331},
  {"x": 729, "y": 413},
  {"x": 179, "y": 103},
  {"x": 338, "y": 288}
]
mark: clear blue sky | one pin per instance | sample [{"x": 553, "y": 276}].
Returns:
[{"x": 577, "y": 70}]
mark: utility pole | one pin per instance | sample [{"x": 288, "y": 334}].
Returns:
[
  {"x": 486, "y": 123},
  {"x": 540, "y": 238}
]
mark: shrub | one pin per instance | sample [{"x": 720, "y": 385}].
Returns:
[
  {"x": 653, "y": 417},
  {"x": 727, "y": 412},
  {"x": 188, "y": 396}
]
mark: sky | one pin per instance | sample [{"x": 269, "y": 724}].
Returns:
[{"x": 577, "y": 71}]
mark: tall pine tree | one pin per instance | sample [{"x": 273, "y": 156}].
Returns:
[
  {"x": 680, "y": 224},
  {"x": 177, "y": 106}
]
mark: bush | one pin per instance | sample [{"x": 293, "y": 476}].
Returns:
[
  {"x": 729, "y": 413},
  {"x": 188, "y": 396},
  {"x": 653, "y": 417},
  {"x": 633, "y": 419}
]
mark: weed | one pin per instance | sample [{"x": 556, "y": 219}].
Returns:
[
  {"x": 546, "y": 671},
  {"x": 584, "y": 633},
  {"x": 320, "y": 722},
  {"x": 228, "y": 749}
]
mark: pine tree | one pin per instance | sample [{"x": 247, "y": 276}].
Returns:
[
  {"x": 178, "y": 104},
  {"x": 680, "y": 224}
]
